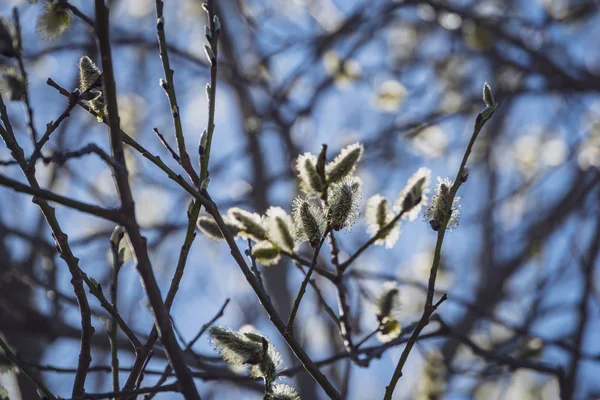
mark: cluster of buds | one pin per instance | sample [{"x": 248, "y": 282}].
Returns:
[
  {"x": 333, "y": 194},
  {"x": 331, "y": 202}
]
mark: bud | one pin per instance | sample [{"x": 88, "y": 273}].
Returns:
[
  {"x": 387, "y": 304},
  {"x": 464, "y": 175},
  {"x": 437, "y": 213},
  {"x": 387, "y": 307},
  {"x": 389, "y": 330},
  {"x": 488, "y": 96},
  {"x": 309, "y": 222},
  {"x": 91, "y": 85},
  {"x": 209, "y": 227},
  {"x": 209, "y": 53},
  {"x": 281, "y": 391},
  {"x": 205, "y": 183},
  {"x": 345, "y": 163},
  {"x": 344, "y": 204},
  {"x": 7, "y": 39},
  {"x": 54, "y": 20},
  {"x": 207, "y": 33},
  {"x": 117, "y": 235},
  {"x": 203, "y": 143},
  {"x": 490, "y": 104},
  {"x": 531, "y": 347},
  {"x": 279, "y": 228},
  {"x": 310, "y": 181},
  {"x": 435, "y": 224},
  {"x": 414, "y": 195},
  {"x": 266, "y": 253},
  {"x": 217, "y": 23},
  {"x": 94, "y": 286},
  {"x": 163, "y": 84},
  {"x": 12, "y": 84},
  {"x": 390, "y": 96},
  {"x": 377, "y": 217},
  {"x": 249, "y": 224},
  {"x": 74, "y": 96}
]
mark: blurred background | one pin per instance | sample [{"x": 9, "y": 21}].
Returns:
[{"x": 404, "y": 78}]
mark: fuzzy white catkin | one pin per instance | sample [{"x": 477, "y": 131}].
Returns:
[
  {"x": 378, "y": 216},
  {"x": 250, "y": 224},
  {"x": 280, "y": 228},
  {"x": 344, "y": 203},
  {"x": 309, "y": 221},
  {"x": 417, "y": 186},
  {"x": 345, "y": 163}
]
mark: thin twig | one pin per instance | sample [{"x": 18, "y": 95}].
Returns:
[
  {"x": 97, "y": 292},
  {"x": 344, "y": 266},
  {"x": 322, "y": 300},
  {"x": 367, "y": 337},
  {"x": 430, "y": 308},
  {"x": 332, "y": 276},
  {"x": 61, "y": 158},
  {"x": 42, "y": 194},
  {"x": 204, "y": 151},
  {"x": 169, "y": 88},
  {"x": 23, "y": 72},
  {"x": 50, "y": 128},
  {"x": 343, "y": 307},
  {"x": 167, "y": 145},
  {"x": 113, "y": 329},
  {"x": 254, "y": 267},
  {"x": 289, "y": 329}
]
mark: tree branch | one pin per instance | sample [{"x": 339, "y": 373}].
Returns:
[
  {"x": 430, "y": 308},
  {"x": 162, "y": 320}
]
